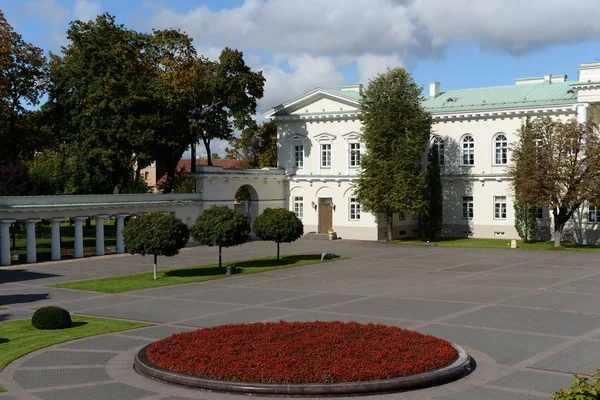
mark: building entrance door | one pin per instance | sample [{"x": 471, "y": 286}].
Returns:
[{"x": 325, "y": 215}]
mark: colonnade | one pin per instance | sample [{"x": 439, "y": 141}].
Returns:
[{"x": 55, "y": 253}]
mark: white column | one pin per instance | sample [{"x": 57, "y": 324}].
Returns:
[
  {"x": 100, "y": 234},
  {"x": 5, "y": 241},
  {"x": 582, "y": 112},
  {"x": 31, "y": 245},
  {"x": 120, "y": 222},
  {"x": 55, "y": 251},
  {"x": 78, "y": 250}
]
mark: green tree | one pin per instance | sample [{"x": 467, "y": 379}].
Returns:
[
  {"x": 556, "y": 163},
  {"x": 221, "y": 226},
  {"x": 396, "y": 132},
  {"x": 55, "y": 172},
  {"x": 256, "y": 147},
  {"x": 14, "y": 181},
  {"x": 582, "y": 388},
  {"x": 23, "y": 71},
  {"x": 278, "y": 225},
  {"x": 155, "y": 234},
  {"x": 525, "y": 221},
  {"x": 433, "y": 214},
  {"x": 99, "y": 101}
]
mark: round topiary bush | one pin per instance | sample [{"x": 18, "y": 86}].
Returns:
[{"x": 51, "y": 318}]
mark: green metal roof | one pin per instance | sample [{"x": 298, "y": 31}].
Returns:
[
  {"x": 512, "y": 96},
  {"x": 349, "y": 94}
]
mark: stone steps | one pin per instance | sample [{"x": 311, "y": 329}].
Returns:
[{"x": 316, "y": 236}]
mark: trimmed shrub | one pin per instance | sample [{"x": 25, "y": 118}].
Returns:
[
  {"x": 582, "y": 388},
  {"x": 51, "y": 318}
]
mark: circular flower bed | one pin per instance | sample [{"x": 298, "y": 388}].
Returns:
[{"x": 301, "y": 352}]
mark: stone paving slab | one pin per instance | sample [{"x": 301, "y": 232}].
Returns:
[
  {"x": 248, "y": 315},
  {"x": 530, "y": 320},
  {"x": 56, "y": 358},
  {"x": 581, "y": 358},
  {"x": 156, "y": 332},
  {"x": 388, "y": 307},
  {"x": 489, "y": 394},
  {"x": 47, "y": 378},
  {"x": 452, "y": 292},
  {"x": 589, "y": 286},
  {"x": 545, "y": 270},
  {"x": 505, "y": 347},
  {"x": 538, "y": 381},
  {"x": 310, "y": 283},
  {"x": 162, "y": 310},
  {"x": 244, "y": 295},
  {"x": 367, "y": 273},
  {"x": 175, "y": 290},
  {"x": 584, "y": 303},
  {"x": 112, "y": 391},
  {"x": 325, "y": 316},
  {"x": 507, "y": 280},
  {"x": 100, "y": 301},
  {"x": 105, "y": 342},
  {"x": 316, "y": 301}
]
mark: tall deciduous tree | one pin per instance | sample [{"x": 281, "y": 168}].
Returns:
[
  {"x": 23, "y": 71},
  {"x": 257, "y": 146},
  {"x": 98, "y": 97},
  {"x": 525, "y": 221},
  {"x": 278, "y": 225},
  {"x": 433, "y": 215},
  {"x": 396, "y": 131},
  {"x": 556, "y": 163},
  {"x": 221, "y": 226},
  {"x": 155, "y": 234}
]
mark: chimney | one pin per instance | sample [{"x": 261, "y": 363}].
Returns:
[
  {"x": 358, "y": 88},
  {"x": 548, "y": 78},
  {"x": 434, "y": 89}
]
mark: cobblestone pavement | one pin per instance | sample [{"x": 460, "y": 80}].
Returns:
[{"x": 529, "y": 318}]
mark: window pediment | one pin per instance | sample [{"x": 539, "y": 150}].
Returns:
[
  {"x": 324, "y": 137},
  {"x": 296, "y": 137},
  {"x": 351, "y": 136}
]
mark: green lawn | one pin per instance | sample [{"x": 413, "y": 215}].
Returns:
[
  {"x": 495, "y": 244},
  {"x": 127, "y": 283},
  {"x": 18, "y": 338},
  {"x": 44, "y": 239}
]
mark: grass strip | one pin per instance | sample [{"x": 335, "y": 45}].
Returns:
[
  {"x": 18, "y": 338},
  {"x": 119, "y": 284}
]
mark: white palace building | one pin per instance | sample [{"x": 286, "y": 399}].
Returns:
[{"x": 319, "y": 146}]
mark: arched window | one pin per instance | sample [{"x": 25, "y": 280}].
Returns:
[
  {"x": 501, "y": 149},
  {"x": 146, "y": 175},
  {"x": 468, "y": 150},
  {"x": 439, "y": 143}
]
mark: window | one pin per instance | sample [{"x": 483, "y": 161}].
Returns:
[
  {"x": 468, "y": 150},
  {"x": 539, "y": 213},
  {"x": 354, "y": 209},
  {"x": 299, "y": 206},
  {"x": 354, "y": 154},
  {"x": 326, "y": 155},
  {"x": 439, "y": 143},
  {"x": 468, "y": 207},
  {"x": 501, "y": 149},
  {"x": 500, "y": 207},
  {"x": 299, "y": 156},
  {"x": 401, "y": 216},
  {"x": 593, "y": 214}
]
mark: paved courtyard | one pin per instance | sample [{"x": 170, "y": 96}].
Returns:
[{"x": 529, "y": 318}]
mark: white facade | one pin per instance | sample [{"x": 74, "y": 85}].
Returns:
[{"x": 319, "y": 139}]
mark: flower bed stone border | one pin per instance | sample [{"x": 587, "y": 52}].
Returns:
[{"x": 458, "y": 369}]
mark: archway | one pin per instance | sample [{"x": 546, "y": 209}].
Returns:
[{"x": 246, "y": 201}]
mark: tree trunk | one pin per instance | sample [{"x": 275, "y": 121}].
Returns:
[
  {"x": 389, "y": 219},
  {"x": 155, "y": 268},
  {"x": 220, "y": 259},
  {"x": 277, "y": 251},
  {"x": 14, "y": 235},
  {"x": 208, "y": 155},
  {"x": 193, "y": 157},
  {"x": 558, "y": 226}
]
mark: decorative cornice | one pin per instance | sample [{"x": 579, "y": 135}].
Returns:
[{"x": 503, "y": 113}]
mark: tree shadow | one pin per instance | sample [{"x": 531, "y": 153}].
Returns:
[
  {"x": 75, "y": 324},
  {"x": 20, "y": 275},
  {"x": 3, "y": 340},
  {"x": 22, "y": 298},
  {"x": 247, "y": 264}
]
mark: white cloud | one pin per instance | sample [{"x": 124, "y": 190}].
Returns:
[
  {"x": 369, "y": 65},
  {"x": 86, "y": 10}
]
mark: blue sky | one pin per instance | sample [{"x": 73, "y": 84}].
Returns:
[{"x": 303, "y": 44}]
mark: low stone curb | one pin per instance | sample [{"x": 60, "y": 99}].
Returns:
[{"x": 461, "y": 367}]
